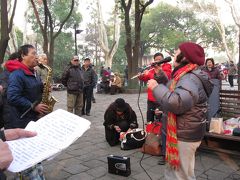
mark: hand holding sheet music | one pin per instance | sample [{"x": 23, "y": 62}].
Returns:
[{"x": 55, "y": 132}]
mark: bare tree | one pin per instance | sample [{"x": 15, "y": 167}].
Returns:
[
  {"x": 48, "y": 28},
  {"x": 109, "y": 51},
  {"x": 13, "y": 44},
  {"x": 6, "y": 26},
  {"x": 212, "y": 11},
  {"x": 236, "y": 17}
]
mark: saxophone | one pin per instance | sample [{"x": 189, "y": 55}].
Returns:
[{"x": 46, "y": 97}]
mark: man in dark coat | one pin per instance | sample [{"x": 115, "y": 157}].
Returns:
[
  {"x": 72, "y": 78},
  {"x": 89, "y": 78},
  {"x": 119, "y": 117}
]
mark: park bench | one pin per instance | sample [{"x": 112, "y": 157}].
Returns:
[{"x": 229, "y": 107}]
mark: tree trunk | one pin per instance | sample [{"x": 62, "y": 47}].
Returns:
[
  {"x": 51, "y": 54},
  {"x": 4, "y": 30},
  {"x": 238, "y": 65},
  {"x": 103, "y": 37},
  {"x": 128, "y": 45}
]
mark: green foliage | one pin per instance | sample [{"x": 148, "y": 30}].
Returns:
[
  {"x": 64, "y": 51},
  {"x": 59, "y": 10},
  {"x": 19, "y": 35},
  {"x": 166, "y": 26}
]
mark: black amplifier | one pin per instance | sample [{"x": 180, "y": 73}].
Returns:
[{"x": 119, "y": 165}]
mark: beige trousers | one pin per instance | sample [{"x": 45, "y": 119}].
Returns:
[
  {"x": 187, "y": 162},
  {"x": 75, "y": 103}
]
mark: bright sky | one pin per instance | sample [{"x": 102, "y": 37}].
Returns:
[
  {"x": 107, "y": 6},
  {"x": 83, "y": 9}
]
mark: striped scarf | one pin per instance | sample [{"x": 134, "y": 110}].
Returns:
[{"x": 172, "y": 154}]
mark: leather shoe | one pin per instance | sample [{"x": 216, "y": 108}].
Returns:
[
  {"x": 88, "y": 114},
  {"x": 162, "y": 160}
]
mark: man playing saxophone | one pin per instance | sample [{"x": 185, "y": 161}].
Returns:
[{"x": 24, "y": 94}]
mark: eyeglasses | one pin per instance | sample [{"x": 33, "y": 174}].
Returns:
[{"x": 75, "y": 60}]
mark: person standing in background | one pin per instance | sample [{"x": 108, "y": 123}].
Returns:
[
  {"x": 89, "y": 78},
  {"x": 211, "y": 69},
  {"x": 72, "y": 78},
  {"x": 232, "y": 70}
]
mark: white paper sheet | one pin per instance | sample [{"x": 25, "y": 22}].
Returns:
[{"x": 55, "y": 132}]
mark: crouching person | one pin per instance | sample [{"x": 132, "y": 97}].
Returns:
[{"x": 119, "y": 117}]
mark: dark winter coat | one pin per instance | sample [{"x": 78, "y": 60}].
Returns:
[
  {"x": 72, "y": 78},
  {"x": 111, "y": 119},
  {"x": 214, "y": 73},
  {"x": 24, "y": 90},
  {"x": 189, "y": 102},
  {"x": 89, "y": 76},
  {"x": 5, "y": 113}
]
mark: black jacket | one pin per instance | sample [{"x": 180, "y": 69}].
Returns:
[
  {"x": 111, "y": 119},
  {"x": 89, "y": 76},
  {"x": 72, "y": 78}
]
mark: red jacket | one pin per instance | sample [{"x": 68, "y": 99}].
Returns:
[{"x": 167, "y": 68}]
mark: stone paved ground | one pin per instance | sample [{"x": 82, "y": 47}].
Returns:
[{"x": 86, "y": 159}]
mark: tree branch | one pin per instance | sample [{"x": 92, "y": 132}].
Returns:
[
  {"x": 37, "y": 16},
  {"x": 48, "y": 15},
  {"x": 65, "y": 20},
  {"x": 12, "y": 16},
  {"x": 142, "y": 10},
  {"x": 234, "y": 13}
]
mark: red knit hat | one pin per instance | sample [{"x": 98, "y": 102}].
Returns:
[{"x": 193, "y": 52}]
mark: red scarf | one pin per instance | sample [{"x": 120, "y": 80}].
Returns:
[{"x": 172, "y": 155}]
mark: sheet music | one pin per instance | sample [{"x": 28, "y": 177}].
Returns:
[{"x": 55, "y": 132}]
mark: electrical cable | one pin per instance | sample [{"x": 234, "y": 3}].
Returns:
[{"x": 138, "y": 103}]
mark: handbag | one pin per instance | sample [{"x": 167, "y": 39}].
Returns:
[
  {"x": 133, "y": 139},
  {"x": 153, "y": 140}
]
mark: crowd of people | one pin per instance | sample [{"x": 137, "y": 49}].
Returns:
[
  {"x": 177, "y": 97},
  {"x": 181, "y": 96},
  {"x": 23, "y": 84},
  {"x": 109, "y": 82}
]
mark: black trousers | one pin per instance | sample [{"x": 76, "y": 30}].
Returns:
[
  {"x": 151, "y": 106},
  {"x": 87, "y": 99},
  {"x": 230, "y": 79}
]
